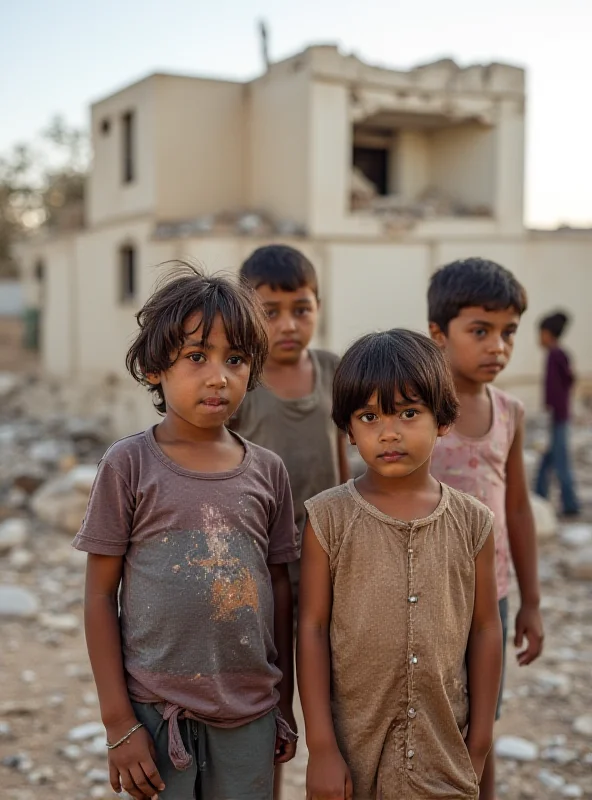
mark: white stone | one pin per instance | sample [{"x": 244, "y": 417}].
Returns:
[
  {"x": 65, "y": 623},
  {"x": 59, "y": 503},
  {"x": 89, "y": 730},
  {"x": 514, "y": 748},
  {"x": 98, "y": 775},
  {"x": 17, "y": 602},
  {"x": 579, "y": 566},
  {"x": 5, "y": 730},
  {"x": 83, "y": 477},
  {"x": 545, "y": 518},
  {"x": 576, "y": 535},
  {"x": 90, "y": 699},
  {"x": 554, "y": 683},
  {"x": 583, "y": 725},
  {"x": 572, "y": 790},
  {"x": 71, "y": 751},
  {"x": 21, "y": 559},
  {"x": 41, "y": 776},
  {"x": 50, "y": 451},
  {"x": 13, "y": 533},
  {"x": 559, "y": 755},
  {"x": 96, "y": 747},
  {"x": 28, "y": 676},
  {"x": 9, "y": 383},
  {"x": 551, "y": 780}
]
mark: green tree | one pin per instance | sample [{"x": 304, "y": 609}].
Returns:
[{"x": 41, "y": 184}]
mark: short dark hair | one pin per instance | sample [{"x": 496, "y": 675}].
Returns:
[
  {"x": 472, "y": 282},
  {"x": 184, "y": 291},
  {"x": 281, "y": 268},
  {"x": 396, "y": 360},
  {"x": 555, "y": 323}
]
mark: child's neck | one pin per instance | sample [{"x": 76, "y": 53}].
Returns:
[
  {"x": 412, "y": 497},
  {"x": 290, "y": 381},
  {"x": 211, "y": 450},
  {"x": 475, "y": 416},
  {"x": 466, "y": 386}
]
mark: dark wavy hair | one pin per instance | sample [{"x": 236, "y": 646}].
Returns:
[
  {"x": 472, "y": 282},
  {"x": 281, "y": 268},
  {"x": 394, "y": 361},
  {"x": 555, "y": 323},
  {"x": 184, "y": 291}
]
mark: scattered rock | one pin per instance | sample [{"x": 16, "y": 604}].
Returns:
[
  {"x": 21, "y": 560},
  {"x": 559, "y": 755},
  {"x": 572, "y": 790},
  {"x": 42, "y": 776},
  {"x": 20, "y": 761},
  {"x": 72, "y": 752},
  {"x": 28, "y": 676},
  {"x": 50, "y": 451},
  {"x": 550, "y": 780},
  {"x": 554, "y": 683},
  {"x": 545, "y": 518},
  {"x": 19, "y": 707},
  {"x": 516, "y": 749},
  {"x": 16, "y": 602},
  {"x": 65, "y": 623},
  {"x": 98, "y": 776},
  {"x": 583, "y": 726},
  {"x": 89, "y": 730},
  {"x": 9, "y": 383},
  {"x": 579, "y": 566},
  {"x": 576, "y": 535},
  {"x": 5, "y": 730},
  {"x": 13, "y": 533},
  {"x": 61, "y": 501}
]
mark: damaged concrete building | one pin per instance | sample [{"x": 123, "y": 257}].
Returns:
[{"x": 379, "y": 175}]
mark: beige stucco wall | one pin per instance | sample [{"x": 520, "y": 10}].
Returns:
[
  {"x": 462, "y": 164},
  {"x": 278, "y": 143},
  {"x": 108, "y": 197},
  {"x": 199, "y": 137}
]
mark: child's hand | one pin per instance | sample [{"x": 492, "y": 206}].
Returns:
[
  {"x": 284, "y": 751},
  {"x": 529, "y": 624},
  {"x": 328, "y": 776},
  {"x": 132, "y": 767}
]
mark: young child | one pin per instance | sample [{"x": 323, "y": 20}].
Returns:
[
  {"x": 399, "y": 642},
  {"x": 474, "y": 312},
  {"x": 192, "y": 528},
  {"x": 559, "y": 380},
  {"x": 290, "y": 412}
]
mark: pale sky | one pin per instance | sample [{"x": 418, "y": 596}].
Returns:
[{"x": 58, "y": 56}]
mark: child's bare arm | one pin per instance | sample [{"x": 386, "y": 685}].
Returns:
[
  {"x": 484, "y": 658},
  {"x": 523, "y": 546},
  {"x": 344, "y": 471},
  {"x": 131, "y": 766},
  {"x": 284, "y": 643},
  {"x": 327, "y": 775}
]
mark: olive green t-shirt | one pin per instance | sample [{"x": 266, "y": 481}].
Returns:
[{"x": 300, "y": 431}]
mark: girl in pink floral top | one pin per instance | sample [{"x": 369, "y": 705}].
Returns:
[{"x": 474, "y": 312}]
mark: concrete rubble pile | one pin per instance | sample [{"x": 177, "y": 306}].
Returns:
[{"x": 51, "y": 737}]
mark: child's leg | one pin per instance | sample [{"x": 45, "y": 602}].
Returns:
[
  {"x": 179, "y": 785},
  {"x": 487, "y": 785},
  {"x": 544, "y": 473},
  {"x": 239, "y": 761},
  {"x": 562, "y": 461}
]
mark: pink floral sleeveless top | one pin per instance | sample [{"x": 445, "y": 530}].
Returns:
[{"x": 478, "y": 467}]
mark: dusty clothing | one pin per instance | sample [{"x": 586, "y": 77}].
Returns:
[
  {"x": 559, "y": 380},
  {"x": 403, "y": 596},
  {"x": 300, "y": 431},
  {"x": 196, "y": 595},
  {"x": 226, "y": 763},
  {"x": 478, "y": 467}
]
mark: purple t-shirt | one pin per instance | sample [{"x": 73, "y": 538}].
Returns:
[
  {"x": 196, "y": 599},
  {"x": 558, "y": 382}
]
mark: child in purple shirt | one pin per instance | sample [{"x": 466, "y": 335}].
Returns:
[{"x": 559, "y": 380}]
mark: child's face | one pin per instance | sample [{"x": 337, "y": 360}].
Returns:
[
  {"x": 478, "y": 343},
  {"x": 291, "y": 320},
  {"x": 208, "y": 381},
  {"x": 395, "y": 445},
  {"x": 546, "y": 339}
]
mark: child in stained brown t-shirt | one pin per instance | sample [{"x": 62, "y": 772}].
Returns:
[
  {"x": 192, "y": 528},
  {"x": 399, "y": 637}
]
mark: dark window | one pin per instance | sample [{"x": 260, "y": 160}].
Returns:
[
  {"x": 39, "y": 271},
  {"x": 105, "y": 126},
  {"x": 374, "y": 163},
  {"x": 127, "y": 274},
  {"x": 129, "y": 135}
]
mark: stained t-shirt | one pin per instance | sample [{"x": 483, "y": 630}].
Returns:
[
  {"x": 196, "y": 601},
  {"x": 477, "y": 466},
  {"x": 403, "y": 599},
  {"x": 299, "y": 430}
]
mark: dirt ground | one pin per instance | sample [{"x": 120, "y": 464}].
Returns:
[{"x": 47, "y": 693}]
